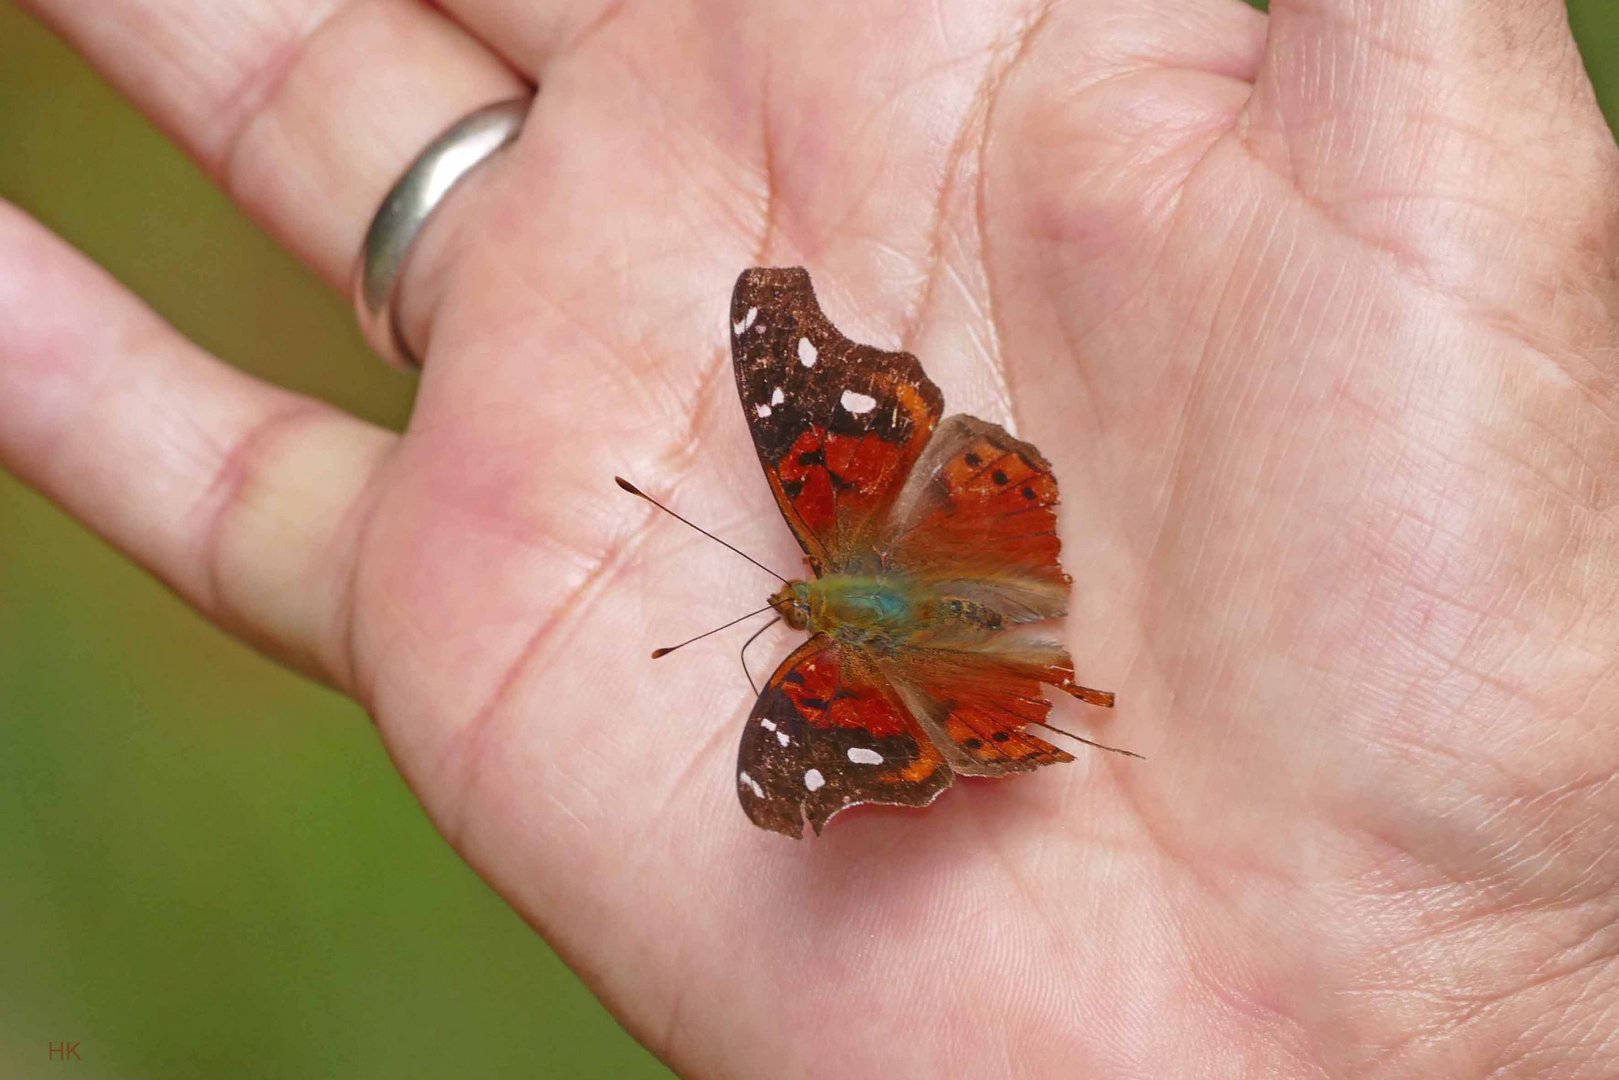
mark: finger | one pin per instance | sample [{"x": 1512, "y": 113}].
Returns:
[
  {"x": 244, "y": 498},
  {"x": 1361, "y": 92},
  {"x": 304, "y": 110}
]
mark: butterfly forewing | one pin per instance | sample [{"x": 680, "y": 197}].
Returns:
[
  {"x": 837, "y": 425},
  {"x": 827, "y": 733},
  {"x": 980, "y": 508}
]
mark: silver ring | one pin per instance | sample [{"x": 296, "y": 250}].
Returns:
[{"x": 462, "y": 147}]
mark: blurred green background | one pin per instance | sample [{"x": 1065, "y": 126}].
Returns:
[{"x": 208, "y": 867}]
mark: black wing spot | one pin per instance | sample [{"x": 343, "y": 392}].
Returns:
[
  {"x": 812, "y": 457},
  {"x": 973, "y": 460},
  {"x": 1002, "y": 736},
  {"x": 1028, "y": 493},
  {"x": 972, "y": 744},
  {"x": 999, "y": 476},
  {"x": 792, "y": 489}
]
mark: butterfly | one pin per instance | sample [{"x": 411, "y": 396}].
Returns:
[{"x": 934, "y": 549}]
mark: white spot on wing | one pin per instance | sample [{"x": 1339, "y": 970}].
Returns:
[
  {"x": 777, "y": 397},
  {"x": 806, "y": 352},
  {"x": 862, "y": 756},
  {"x": 761, "y": 411},
  {"x": 781, "y": 737},
  {"x": 857, "y": 402},
  {"x": 814, "y": 780},
  {"x": 768, "y": 724},
  {"x": 747, "y": 321},
  {"x": 758, "y": 791}
]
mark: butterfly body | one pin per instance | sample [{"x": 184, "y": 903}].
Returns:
[
  {"x": 936, "y": 574},
  {"x": 885, "y": 613}
]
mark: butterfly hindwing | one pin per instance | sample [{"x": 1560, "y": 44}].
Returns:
[
  {"x": 837, "y": 425},
  {"x": 827, "y": 733},
  {"x": 978, "y": 704}
]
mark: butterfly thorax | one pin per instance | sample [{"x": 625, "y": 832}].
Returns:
[{"x": 880, "y": 611}]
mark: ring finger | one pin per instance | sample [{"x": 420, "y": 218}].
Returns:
[{"x": 304, "y": 111}]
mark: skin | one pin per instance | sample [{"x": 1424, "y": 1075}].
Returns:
[{"x": 1315, "y": 317}]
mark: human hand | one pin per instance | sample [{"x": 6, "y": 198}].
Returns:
[{"x": 1317, "y": 331}]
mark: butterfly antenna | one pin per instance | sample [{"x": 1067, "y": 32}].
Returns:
[
  {"x": 665, "y": 652},
  {"x": 743, "y": 654},
  {"x": 633, "y": 490},
  {"x": 1090, "y": 742}
]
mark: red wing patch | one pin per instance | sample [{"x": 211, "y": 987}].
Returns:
[
  {"x": 837, "y": 424},
  {"x": 828, "y": 733}
]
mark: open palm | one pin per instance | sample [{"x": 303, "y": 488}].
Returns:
[{"x": 1314, "y": 315}]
